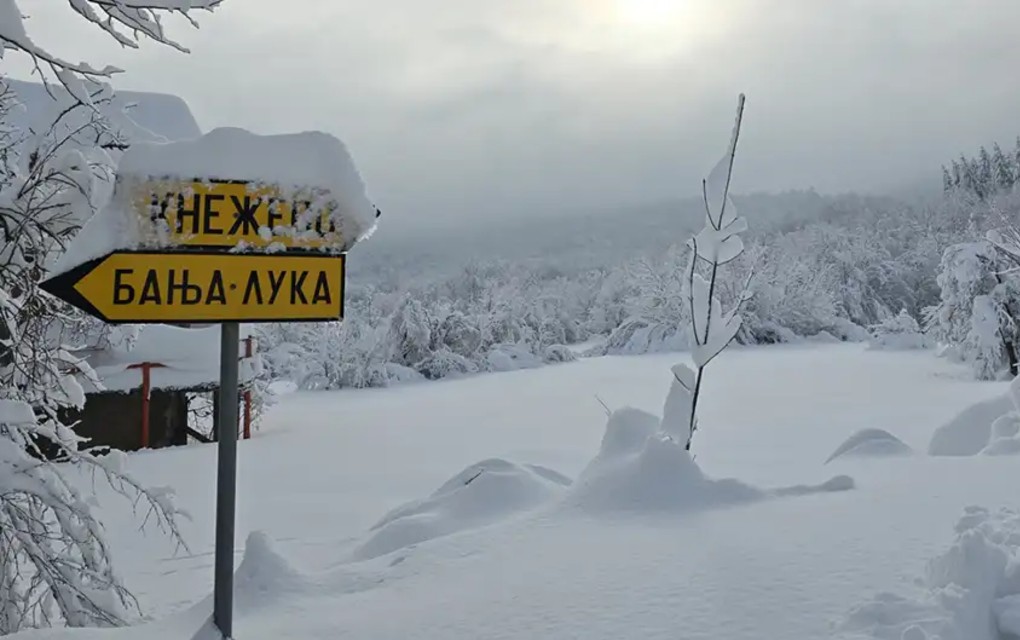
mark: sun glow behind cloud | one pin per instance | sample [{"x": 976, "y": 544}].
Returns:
[
  {"x": 648, "y": 14},
  {"x": 651, "y": 30}
]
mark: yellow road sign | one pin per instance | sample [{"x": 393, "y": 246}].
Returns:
[
  {"x": 191, "y": 287},
  {"x": 225, "y": 214}
]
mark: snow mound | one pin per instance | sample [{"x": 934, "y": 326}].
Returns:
[
  {"x": 822, "y": 337},
  {"x": 479, "y": 495},
  {"x": 264, "y": 576},
  {"x": 835, "y": 484},
  {"x": 899, "y": 333},
  {"x": 659, "y": 476},
  {"x": 971, "y": 592},
  {"x": 636, "y": 336},
  {"x": 971, "y": 430},
  {"x": 627, "y": 431},
  {"x": 282, "y": 387},
  {"x": 640, "y": 467},
  {"x": 871, "y": 443},
  {"x": 511, "y": 357},
  {"x": 1005, "y": 437},
  {"x": 263, "y": 579}
]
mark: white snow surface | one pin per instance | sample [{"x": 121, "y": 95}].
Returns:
[
  {"x": 969, "y": 592},
  {"x": 190, "y": 359},
  {"x": 871, "y": 442},
  {"x": 327, "y": 465}
]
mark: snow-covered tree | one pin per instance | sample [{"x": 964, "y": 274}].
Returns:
[
  {"x": 126, "y": 21},
  {"x": 1005, "y": 172},
  {"x": 986, "y": 175},
  {"x": 55, "y": 564},
  {"x": 980, "y": 301}
]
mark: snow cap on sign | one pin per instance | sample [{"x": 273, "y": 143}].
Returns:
[
  {"x": 306, "y": 159},
  {"x": 310, "y": 159}
]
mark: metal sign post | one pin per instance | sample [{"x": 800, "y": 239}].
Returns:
[
  {"x": 216, "y": 251},
  {"x": 226, "y": 480}
]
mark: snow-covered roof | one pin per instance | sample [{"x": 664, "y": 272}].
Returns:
[
  {"x": 147, "y": 116},
  {"x": 190, "y": 359}
]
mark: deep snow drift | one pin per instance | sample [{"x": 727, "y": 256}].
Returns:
[
  {"x": 970, "y": 592},
  {"x": 971, "y": 430},
  {"x": 990, "y": 427},
  {"x": 871, "y": 443},
  {"x": 326, "y": 466},
  {"x": 483, "y": 493},
  {"x": 643, "y": 465},
  {"x": 639, "y": 468}
]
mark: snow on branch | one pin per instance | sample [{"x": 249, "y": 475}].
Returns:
[
  {"x": 717, "y": 244},
  {"x": 126, "y": 21}
]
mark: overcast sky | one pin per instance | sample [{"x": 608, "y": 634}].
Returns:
[{"x": 477, "y": 108}]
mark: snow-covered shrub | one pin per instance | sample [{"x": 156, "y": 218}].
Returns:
[
  {"x": 423, "y": 336},
  {"x": 444, "y": 363},
  {"x": 790, "y": 294},
  {"x": 898, "y": 333},
  {"x": 975, "y": 313}
]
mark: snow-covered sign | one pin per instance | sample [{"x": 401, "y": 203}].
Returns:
[
  {"x": 234, "y": 190},
  {"x": 138, "y": 287},
  {"x": 228, "y": 227}
]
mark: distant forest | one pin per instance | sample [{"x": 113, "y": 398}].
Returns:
[
  {"x": 984, "y": 175},
  {"x": 524, "y": 294}
]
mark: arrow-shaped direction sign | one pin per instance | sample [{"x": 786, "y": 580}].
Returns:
[{"x": 137, "y": 287}]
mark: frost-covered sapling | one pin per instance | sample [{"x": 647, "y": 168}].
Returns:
[{"x": 717, "y": 244}]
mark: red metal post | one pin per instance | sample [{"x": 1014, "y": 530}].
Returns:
[
  {"x": 146, "y": 389},
  {"x": 247, "y": 393},
  {"x": 146, "y": 368}
]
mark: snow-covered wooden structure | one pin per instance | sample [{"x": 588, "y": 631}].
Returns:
[{"x": 143, "y": 396}]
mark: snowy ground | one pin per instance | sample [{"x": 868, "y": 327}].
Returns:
[{"x": 328, "y": 466}]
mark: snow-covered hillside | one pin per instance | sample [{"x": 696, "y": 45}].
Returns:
[{"x": 514, "y": 553}]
